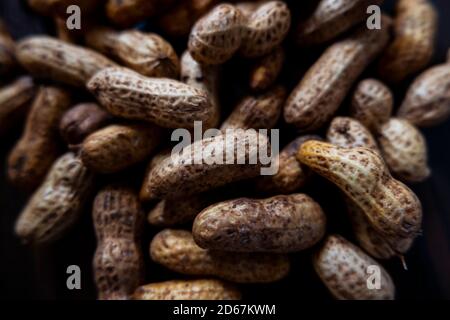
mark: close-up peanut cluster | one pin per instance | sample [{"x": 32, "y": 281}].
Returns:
[{"x": 347, "y": 90}]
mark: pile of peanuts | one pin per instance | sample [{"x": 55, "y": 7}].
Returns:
[{"x": 140, "y": 89}]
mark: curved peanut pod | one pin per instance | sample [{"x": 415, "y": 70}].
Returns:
[
  {"x": 404, "y": 149},
  {"x": 390, "y": 206},
  {"x": 322, "y": 90},
  {"x": 206, "y": 164},
  {"x": 81, "y": 120},
  {"x": 57, "y": 60},
  {"x": 187, "y": 290},
  {"x": 146, "y": 53},
  {"x": 14, "y": 102},
  {"x": 117, "y": 147},
  {"x": 203, "y": 77},
  {"x": 59, "y": 7},
  {"x": 372, "y": 104},
  {"x": 348, "y": 272},
  {"x": 291, "y": 174},
  {"x": 350, "y": 133},
  {"x": 165, "y": 102},
  {"x": 118, "y": 262},
  {"x": 427, "y": 101},
  {"x": 415, "y": 28},
  {"x": 38, "y": 147},
  {"x": 281, "y": 224},
  {"x": 265, "y": 29},
  {"x": 177, "y": 251},
  {"x": 266, "y": 70},
  {"x": 7, "y": 48},
  {"x": 217, "y": 35},
  {"x": 331, "y": 18},
  {"x": 257, "y": 112},
  {"x": 57, "y": 203}
]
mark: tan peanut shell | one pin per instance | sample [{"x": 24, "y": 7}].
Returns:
[
  {"x": 345, "y": 270},
  {"x": 146, "y": 53},
  {"x": 371, "y": 104},
  {"x": 404, "y": 149},
  {"x": 195, "y": 169},
  {"x": 199, "y": 289},
  {"x": 177, "y": 251},
  {"x": 59, "y": 7},
  {"x": 14, "y": 102},
  {"x": 117, "y": 147},
  {"x": 265, "y": 29},
  {"x": 280, "y": 224},
  {"x": 50, "y": 58},
  {"x": 38, "y": 147},
  {"x": 266, "y": 70},
  {"x": 7, "y": 48},
  {"x": 415, "y": 28},
  {"x": 427, "y": 101},
  {"x": 390, "y": 206},
  {"x": 165, "y": 102},
  {"x": 325, "y": 85},
  {"x": 57, "y": 203},
  {"x": 350, "y": 133},
  {"x": 291, "y": 174},
  {"x": 118, "y": 261},
  {"x": 216, "y": 36},
  {"x": 331, "y": 18},
  {"x": 81, "y": 120},
  {"x": 260, "y": 111}
]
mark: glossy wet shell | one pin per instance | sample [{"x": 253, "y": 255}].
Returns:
[
  {"x": 343, "y": 267},
  {"x": 350, "y": 133},
  {"x": 165, "y": 102},
  {"x": 177, "y": 251}
]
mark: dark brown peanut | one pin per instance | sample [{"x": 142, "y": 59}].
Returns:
[
  {"x": 59, "y": 7},
  {"x": 266, "y": 70},
  {"x": 7, "y": 48}
]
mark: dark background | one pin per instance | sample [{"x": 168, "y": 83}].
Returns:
[{"x": 40, "y": 273}]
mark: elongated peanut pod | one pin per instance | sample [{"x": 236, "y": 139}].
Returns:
[
  {"x": 206, "y": 164},
  {"x": 372, "y": 104},
  {"x": 59, "y": 7},
  {"x": 38, "y": 147},
  {"x": 187, "y": 290},
  {"x": 404, "y": 149},
  {"x": 346, "y": 271},
  {"x": 350, "y": 133},
  {"x": 266, "y": 70},
  {"x": 49, "y": 58},
  {"x": 176, "y": 250},
  {"x": 257, "y": 112},
  {"x": 415, "y": 28},
  {"x": 322, "y": 90},
  {"x": 165, "y": 102},
  {"x": 7, "y": 48},
  {"x": 146, "y": 53},
  {"x": 391, "y": 207},
  {"x": 57, "y": 203},
  {"x": 280, "y": 224},
  {"x": 117, "y": 147},
  {"x": 118, "y": 261}
]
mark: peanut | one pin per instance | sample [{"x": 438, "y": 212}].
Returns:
[
  {"x": 38, "y": 147},
  {"x": 57, "y": 203},
  {"x": 266, "y": 70},
  {"x": 180, "y": 174},
  {"x": 390, "y": 206},
  {"x": 7, "y": 48},
  {"x": 166, "y": 102},
  {"x": 372, "y": 104},
  {"x": 81, "y": 120},
  {"x": 321, "y": 91},
  {"x": 49, "y": 58},
  {"x": 343, "y": 268},
  {"x": 331, "y": 18},
  {"x": 146, "y": 53},
  {"x": 118, "y": 261},
  {"x": 117, "y": 147},
  {"x": 404, "y": 149},
  {"x": 64, "y": 34},
  {"x": 14, "y": 102},
  {"x": 59, "y": 7},
  {"x": 257, "y": 112},
  {"x": 187, "y": 290},
  {"x": 176, "y": 250},
  {"x": 415, "y": 28},
  {"x": 427, "y": 102}
]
